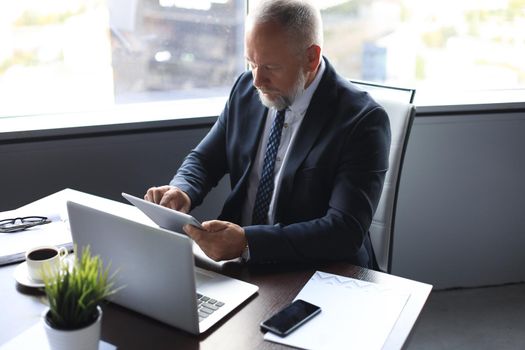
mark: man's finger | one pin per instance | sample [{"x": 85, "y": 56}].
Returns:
[
  {"x": 154, "y": 194},
  {"x": 193, "y": 232},
  {"x": 168, "y": 199},
  {"x": 149, "y": 194},
  {"x": 214, "y": 225},
  {"x": 202, "y": 241}
]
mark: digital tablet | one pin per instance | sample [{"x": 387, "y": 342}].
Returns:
[{"x": 167, "y": 218}]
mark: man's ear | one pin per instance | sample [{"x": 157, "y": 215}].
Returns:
[{"x": 313, "y": 57}]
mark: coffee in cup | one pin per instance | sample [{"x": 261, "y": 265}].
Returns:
[{"x": 45, "y": 257}]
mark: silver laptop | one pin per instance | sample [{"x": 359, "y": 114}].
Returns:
[{"x": 156, "y": 266}]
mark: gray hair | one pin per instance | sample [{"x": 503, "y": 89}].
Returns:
[{"x": 300, "y": 18}]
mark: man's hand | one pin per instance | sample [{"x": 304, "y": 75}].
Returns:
[
  {"x": 170, "y": 197},
  {"x": 220, "y": 240}
]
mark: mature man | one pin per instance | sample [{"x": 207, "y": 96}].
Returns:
[{"x": 306, "y": 152}]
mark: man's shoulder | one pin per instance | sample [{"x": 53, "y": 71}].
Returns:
[
  {"x": 244, "y": 83},
  {"x": 339, "y": 92},
  {"x": 243, "y": 96}
]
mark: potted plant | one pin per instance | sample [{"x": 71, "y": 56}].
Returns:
[{"x": 75, "y": 293}]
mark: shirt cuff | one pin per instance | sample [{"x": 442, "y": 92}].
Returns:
[{"x": 246, "y": 253}]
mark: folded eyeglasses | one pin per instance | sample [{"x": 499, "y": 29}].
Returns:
[{"x": 21, "y": 224}]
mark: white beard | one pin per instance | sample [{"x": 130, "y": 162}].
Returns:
[{"x": 282, "y": 102}]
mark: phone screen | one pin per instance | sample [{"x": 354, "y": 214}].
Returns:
[{"x": 291, "y": 317}]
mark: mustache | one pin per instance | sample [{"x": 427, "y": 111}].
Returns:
[{"x": 266, "y": 91}]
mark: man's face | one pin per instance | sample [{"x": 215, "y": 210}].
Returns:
[{"x": 278, "y": 71}]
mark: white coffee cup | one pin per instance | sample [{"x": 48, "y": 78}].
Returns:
[{"x": 44, "y": 257}]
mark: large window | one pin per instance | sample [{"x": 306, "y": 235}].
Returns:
[
  {"x": 92, "y": 55},
  {"x": 470, "y": 51}
]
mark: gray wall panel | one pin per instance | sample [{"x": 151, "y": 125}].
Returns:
[
  {"x": 104, "y": 165},
  {"x": 460, "y": 207}
]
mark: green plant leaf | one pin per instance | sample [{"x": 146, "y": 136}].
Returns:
[{"x": 74, "y": 292}]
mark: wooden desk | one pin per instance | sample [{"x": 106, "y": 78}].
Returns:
[{"x": 21, "y": 308}]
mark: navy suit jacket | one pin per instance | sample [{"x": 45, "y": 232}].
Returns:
[{"x": 331, "y": 183}]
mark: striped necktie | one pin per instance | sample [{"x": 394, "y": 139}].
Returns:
[{"x": 266, "y": 183}]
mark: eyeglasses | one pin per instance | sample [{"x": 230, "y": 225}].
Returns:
[{"x": 21, "y": 224}]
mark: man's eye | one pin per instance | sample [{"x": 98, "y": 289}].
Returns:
[{"x": 266, "y": 67}]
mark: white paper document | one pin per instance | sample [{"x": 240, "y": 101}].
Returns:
[
  {"x": 36, "y": 338},
  {"x": 354, "y": 314},
  {"x": 14, "y": 245},
  {"x": 57, "y": 233}
]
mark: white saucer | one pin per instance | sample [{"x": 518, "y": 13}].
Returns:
[{"x": 22, "y": 277}]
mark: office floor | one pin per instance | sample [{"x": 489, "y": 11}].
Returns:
[{"x": 477, "y": 318}]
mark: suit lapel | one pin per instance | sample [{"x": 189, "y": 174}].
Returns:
[
  {"x": 256, "y": 117},
  {"x": 252, "y": 121},
  {"x": 318, "y": 113}
]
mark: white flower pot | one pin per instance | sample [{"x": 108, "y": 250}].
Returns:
[{"x": 86, "y": 338}]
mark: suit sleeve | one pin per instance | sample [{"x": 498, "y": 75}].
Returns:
[
  {"x": 204, "y": 166},
  {"x": 352, "y": 201}
]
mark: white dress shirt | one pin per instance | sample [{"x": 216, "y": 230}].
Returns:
[{"x": 292, "y": 121}]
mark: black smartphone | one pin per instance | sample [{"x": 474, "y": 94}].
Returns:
[{"x": 290, "y": 318}]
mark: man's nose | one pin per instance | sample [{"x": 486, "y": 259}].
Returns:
[{"x": 258, "y": 77}]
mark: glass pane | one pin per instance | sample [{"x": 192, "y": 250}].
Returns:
[
  {"x": 450, "y": 51},
  {"x": 177, "y": 49},
  {"x": 88, "y": 55}
]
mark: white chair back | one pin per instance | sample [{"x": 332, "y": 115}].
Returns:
[{"x": 401, "y": 115}]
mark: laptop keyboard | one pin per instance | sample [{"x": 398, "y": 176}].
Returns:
[{"x": 206, "y": 306}]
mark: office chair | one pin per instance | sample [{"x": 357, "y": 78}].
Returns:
[{"x": 397, "y": 102}]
